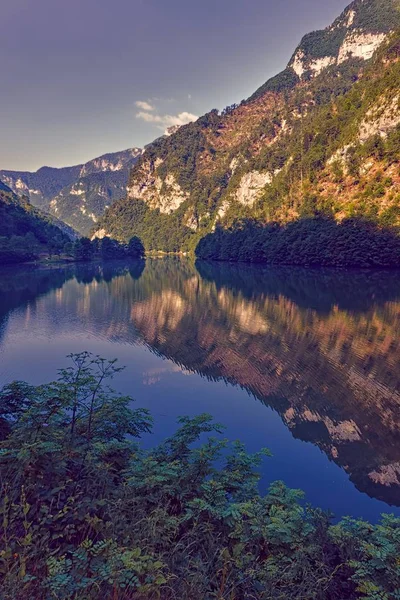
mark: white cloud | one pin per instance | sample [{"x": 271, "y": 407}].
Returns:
[
  {"x": 144, "y": 105},
  {"x": 166, "y": 121}
]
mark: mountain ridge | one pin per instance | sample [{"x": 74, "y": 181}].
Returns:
[
  {"x": 74, "y": 194},
  {"x": 263, "y": 158}
]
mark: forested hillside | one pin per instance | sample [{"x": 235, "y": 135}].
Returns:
[
  {"x": 25, "y": 232},
  {"x": 320, "y": 140}
]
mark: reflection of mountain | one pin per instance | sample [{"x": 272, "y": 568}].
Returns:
[
  {"x": 332, "y": 373},
  {"x": 321, "y": 348}
]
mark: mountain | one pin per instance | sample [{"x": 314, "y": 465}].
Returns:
[
  {"x": 25, "y": 231},
  {"x": 40, "y": 187},
  {"x": 321, "y": 139},
  {"x": 77, "y": 195}
]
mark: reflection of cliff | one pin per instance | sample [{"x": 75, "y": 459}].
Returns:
[
  {"x": 321, "y": 348},
  {"x": 332, "y": 373}
]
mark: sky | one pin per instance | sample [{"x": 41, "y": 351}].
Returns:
[{"x": 80, "y": 78}]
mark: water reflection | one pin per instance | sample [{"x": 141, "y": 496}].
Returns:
[{"x": 321, "y": 348}]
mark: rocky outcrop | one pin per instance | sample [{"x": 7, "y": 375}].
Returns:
[
  {"x": 359, "y": 44},
  {"x": 166, "y": 194},
  {"x": 250, "y": 187},
  {"x": 381, "y": 118},
  {"x": 301, "y": 65}
]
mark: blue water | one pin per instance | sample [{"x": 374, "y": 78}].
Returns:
[{"x": 305, "y": 363}]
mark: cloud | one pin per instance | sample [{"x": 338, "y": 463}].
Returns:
[
  {"x": 144, "y": 105},
  {"x": 166, "y": 121}
]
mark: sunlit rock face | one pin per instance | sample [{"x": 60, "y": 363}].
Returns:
[
  {"x": 356, "y": 34},
  {"x": 382, "y": 118},
  {"x": 157, "y": 192},
  {"x": 250, "y": 187}
]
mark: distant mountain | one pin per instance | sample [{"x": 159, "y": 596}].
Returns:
[
  {"x": 322, "y": 138},
  {"x": 83, "y": 202},
  {"x": 40, "y": 187},
  {"x": 77, "y": 195}
]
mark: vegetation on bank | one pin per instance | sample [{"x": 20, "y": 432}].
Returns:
[
  {"x": 87, "y": 513},
  {"x": 84, "y": 249},
  {"x": 308, "y": 242}
]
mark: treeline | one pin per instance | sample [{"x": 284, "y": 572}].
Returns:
[
  {"x": 307, "y": 242},
  {"x": 84, "y": 249},
  {"x": 86, "y": 512}
]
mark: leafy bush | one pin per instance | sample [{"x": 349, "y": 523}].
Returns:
[{"x": 87, "y": 513}]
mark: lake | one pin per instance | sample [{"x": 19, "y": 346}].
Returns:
[{"x": 304, "y": 362}]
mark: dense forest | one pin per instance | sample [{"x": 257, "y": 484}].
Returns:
[
  {"x": 88, "y": 513},
  {"x": 308, "y": 242},
  {"x": 25, "y": 232}
]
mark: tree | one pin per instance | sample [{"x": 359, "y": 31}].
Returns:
[
  {"x": 83, "y": 250},
  {"x": 69, "y": 248},
  {"x": 111, "y": 249},
  {"x": 135, "y": 248}
]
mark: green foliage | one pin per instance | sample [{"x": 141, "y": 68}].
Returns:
[
  {"x": 111, "y": 249},
  {"x": 377, "y": 15},
  {"x": 105, "y": 249},
  {"x": 135, "y": 248},
  {"x": 326, "y": 42},
  {"x": 286, "y": 80},
  {"x": 83, "y": 249},
  {"x": 24, "y": 231},
  {"x": 87, "y": 513},
  {"x": 312, "y": 241},
  {"x": 157, "y": 231},
  {"x": 18, "y": 249}
]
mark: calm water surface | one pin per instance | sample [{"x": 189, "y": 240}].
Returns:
[{"x": 306, "y": 363}]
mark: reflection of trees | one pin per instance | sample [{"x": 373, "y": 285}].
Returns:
[{"x": 21, "y": 286}]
